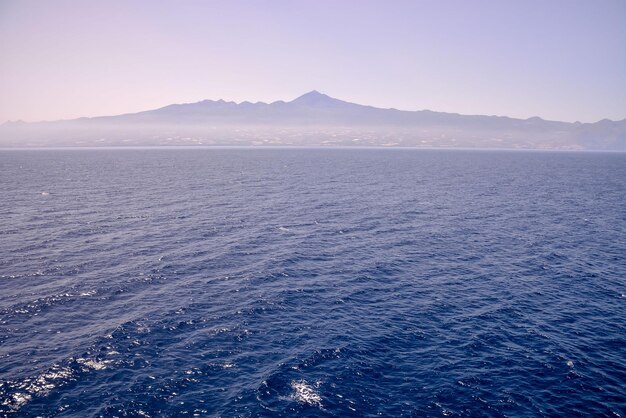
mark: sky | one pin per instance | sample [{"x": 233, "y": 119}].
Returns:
[{"x": 557, "y": 59}]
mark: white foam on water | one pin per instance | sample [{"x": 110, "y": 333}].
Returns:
[
  {"x": 40, "y": 385},
  {"x": 89, "y": 293},
  {"x": 17, "y": 400},
  {"x": 48, "y": 381},
  {"x": 93, "y": 364},
  {"x": 304, "y": 393}
]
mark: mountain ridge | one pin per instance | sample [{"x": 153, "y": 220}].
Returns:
[
  {"x": 311, "y": 97},
  {"x": 314, "y": 118},
  {"x": 307, "y": 97}
]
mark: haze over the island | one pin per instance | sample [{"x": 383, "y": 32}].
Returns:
[
  {"x": 560, "y": 60},
  {"x": 312, "y": 119}
]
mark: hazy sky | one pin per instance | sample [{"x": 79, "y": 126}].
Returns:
[{"x": 560, "y": 59}]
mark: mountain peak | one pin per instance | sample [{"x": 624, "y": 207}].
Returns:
[
  {"x": 313, "y": 97},
  {"x": 313, "y": 93}
]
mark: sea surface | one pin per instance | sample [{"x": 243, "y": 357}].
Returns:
[{"x": 312, "y": 282}]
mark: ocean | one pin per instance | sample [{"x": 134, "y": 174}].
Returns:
[{"x": 260, "y": 282}]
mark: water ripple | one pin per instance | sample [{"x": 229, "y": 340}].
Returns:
[{"x": 312, "y": 283}]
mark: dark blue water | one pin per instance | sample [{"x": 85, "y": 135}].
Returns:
[{"x": 225, "y": 282}]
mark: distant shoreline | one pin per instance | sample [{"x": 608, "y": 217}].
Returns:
[{"x": 299, "y": 147}]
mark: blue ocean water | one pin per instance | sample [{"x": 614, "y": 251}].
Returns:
[{"x": 312, "y": 282}]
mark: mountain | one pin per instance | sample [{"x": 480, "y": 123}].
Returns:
[{"x": 313, "y": 119}]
